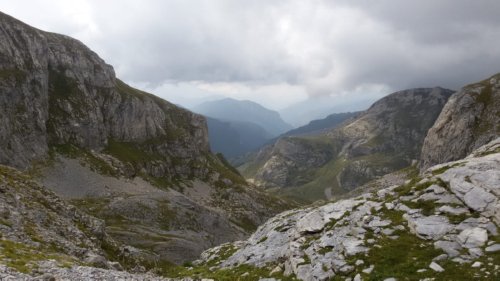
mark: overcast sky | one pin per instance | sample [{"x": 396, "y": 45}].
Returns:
[{"x": 280, "y": 52}]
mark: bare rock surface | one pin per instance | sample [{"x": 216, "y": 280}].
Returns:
[
  {"x": 342, "y": 239},
  {"x": 469, "y": 120}
]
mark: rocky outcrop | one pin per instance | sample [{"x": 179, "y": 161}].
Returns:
[
  {"x": 386, "y": 137},
  {"x": 432, "y": 223},
  {"x": 469, "y": 120}
]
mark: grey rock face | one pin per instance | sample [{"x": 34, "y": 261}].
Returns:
[
  {"x": 469, "y": 120},
  {"x": 55, "y": 91}
]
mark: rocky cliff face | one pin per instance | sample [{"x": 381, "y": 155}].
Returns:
[
  {"x": 470, "y": 119},
  {"x": 387, "y": 137},
  {"x": 57, "y": 91},
  {"x": 441, "y": 225},
  {"x": 128, "y": 157}
]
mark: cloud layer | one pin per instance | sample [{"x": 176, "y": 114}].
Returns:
[{"x": 279, "y": 52}]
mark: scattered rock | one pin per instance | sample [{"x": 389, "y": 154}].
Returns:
[
  {"x": 431, "y": 227},
  {"x": 452, "y": 249},
  {"x": 477, "y": 264},
  {"x": 473, "y": 237},
  {"x": 440, "y": 257},
  {"x": 493, "y": 248},
  {"x": 369, "y": 269},
  {"x": 436, "y": 267}
]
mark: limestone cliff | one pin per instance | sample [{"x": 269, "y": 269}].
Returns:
[
  {"x": 470, "y": 119},
  {"x": 57, "y": 91}
]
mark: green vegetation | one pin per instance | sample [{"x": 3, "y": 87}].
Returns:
[
  {"x": 485, "y": 95},
  {"x": 325, "y": 250},
  {"x": 238, "y": 273},
  {"x": 426, "y": 206},
  {"x": 282, "y": 228},
  {"x": 400, "y": 258},
  {"x": 446, "y": 168},
  {"x": 496, "y": 150},
  {"x": 24, "y": 258},
  {"x": 396, "y": 217},
  {"x": 307, "y": 260},
  {"x": 263, "y": 239},
  {"x": 225, "y": 172},
  {"x": 224, "y": 161},
  {"x": 324, "y": 177}
]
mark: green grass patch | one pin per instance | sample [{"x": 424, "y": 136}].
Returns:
[
  {"x": 446, "y": 168},
  {"x": 24, "y": 258},
  {"x": 426, "y": 206},
  {"x": 494, "y": 151},
  {"x": 263, "y": 239},
  {"x": 396, "y": 217},
  {"x": 250, "y": 273},
  {"x": 325, "y": 250}
]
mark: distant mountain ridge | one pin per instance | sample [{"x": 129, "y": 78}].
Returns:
[
  {"x": 236, "y": 127},
  {"x": 244, "y": 111}
]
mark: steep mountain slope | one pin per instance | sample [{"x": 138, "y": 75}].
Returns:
[
  {"x": 244, "y": 111},
  {"x": 319, "y": 126},
  {"x": 234, "y": 139},
  {"x": 443, "y": 225},
  {"x": 470, "y": 119},
  {"x": 140, "y": 163},
  {"x": 386, "y": 137}
]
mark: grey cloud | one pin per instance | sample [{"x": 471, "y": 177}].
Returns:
[{"x": 325, "y": 47}]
